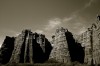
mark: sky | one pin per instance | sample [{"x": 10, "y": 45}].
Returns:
[{"x": 45, "y": 16}]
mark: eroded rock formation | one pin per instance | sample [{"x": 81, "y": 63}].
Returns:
[
  {"x": 65, "y": 48},
  {"x": 27, "y": 47}
]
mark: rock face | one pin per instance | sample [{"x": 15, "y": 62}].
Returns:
[
  {"x": 90, "y": 39},
  {"x": 65, "y": 49},
  {"x": 60, "y": 50},
  {"x": 6, "y": 49},
  {"x": 29, "y": 47}
]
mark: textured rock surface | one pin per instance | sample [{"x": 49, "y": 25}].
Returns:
[
  {"x": 90, "y": 39},
  {"x": 65, "y": 49},
  {"x": 60, "y": 47},
  {"x": 28, "y": 47}
]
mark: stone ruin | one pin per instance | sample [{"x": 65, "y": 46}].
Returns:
[
  {"x": 65, "y": 48},
  {"x": 27, "y": 47},
  {"x": 30, "y": 47}
]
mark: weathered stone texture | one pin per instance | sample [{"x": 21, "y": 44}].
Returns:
[
  {"x": 91, "y": 41},
  {"x": 65, "y": 49},
  {"x": 28, "y": 47},
  {"x": 60, "y": 49}
]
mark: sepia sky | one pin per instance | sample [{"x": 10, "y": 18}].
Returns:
[{"x": 44, "y": 16}]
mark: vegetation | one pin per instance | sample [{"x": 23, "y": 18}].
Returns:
[
  {"x": 50, "y": 62},
  {"x": 45, "y": 64}
]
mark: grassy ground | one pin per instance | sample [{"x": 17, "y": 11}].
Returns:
[
  {"x": 51, "y": 62},
  {"x": 45, "y": 64}
]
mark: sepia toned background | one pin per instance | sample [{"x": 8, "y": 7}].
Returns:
[{"x": 44, "y": 16}]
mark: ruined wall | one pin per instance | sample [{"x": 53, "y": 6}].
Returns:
[
  {"x": 60, "y": 47},
  {"x": 28, "y": 47},
  {"x": 18, "y": 44},
  {"x": 65, "y": 49},
  {"x": 91, "y": 41},
  {"x": 96, "y": 42},
  {"x": 86, "y": 41}
]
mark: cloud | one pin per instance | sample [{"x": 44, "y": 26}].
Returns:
[
  {"x": 53, "y": 23},
  {"x": 39, "y": 31},
  {"x": 89, "y": 3},
  {"x": 83, "y": 29},
  {"x": 67, "y": 19},
  {"x": 9, "y": 32},
  {"x": 14, "y": 33},
  {"x": 57, "y": 22}
]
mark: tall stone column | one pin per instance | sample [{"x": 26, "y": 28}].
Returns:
[
  {"x": 31, "y": 48},
  {"x": 60, "y": 50},
  {"x": 26, "y": 53},
  {"x": 19, "y": 41}
]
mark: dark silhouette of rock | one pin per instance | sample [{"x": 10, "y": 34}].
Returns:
[{"x": 6, "y": 49}]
